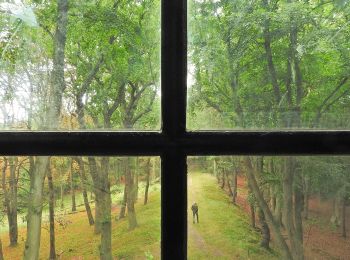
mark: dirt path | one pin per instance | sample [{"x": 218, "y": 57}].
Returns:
[{"x": 193, "y": 234}]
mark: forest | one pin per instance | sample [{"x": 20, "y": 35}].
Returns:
[{"x": 94, "y": 65}]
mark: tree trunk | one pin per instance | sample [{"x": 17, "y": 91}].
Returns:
[
  {"x": 131, "y": 190},
  {"x": 97, "y": 192},
  {"x": 265, "y": 242},
  {"x": 82, "y": 175},
  {"x": 335, "y": 219},
  {"x": 62, "y": 191},
  {"x": 223, "y": 179},
  {"x": 72, "y": 190},
  {"x": 136, "y": 179},
  {"x": 51, "y": 214},
  {"x": 235, "y": 187},
  {"x": 125, "y": 195},
  {"x": 285, "y": 251},
  {"x": 35, "y": 204},
  {"x": 148, "y": 173},
  {"x": 252, "y": 215},
  {"x": 105, "y": 209},
  {"x": 214, "y": 167},
  {"x": 229, "y": 186},
  {"x": 298, "y": 208},
  {"x": 13, "y": 225},
  {"x": 306, "y": 197},
  {"x": 1, "y": 253},
  {"x": 123, "y": 206},
  {"x": 343, "y": 218}
]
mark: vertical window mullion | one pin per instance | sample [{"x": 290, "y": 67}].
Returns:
[{"x": 173, "y": 87}]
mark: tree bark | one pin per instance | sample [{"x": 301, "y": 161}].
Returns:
[
  {"x": 51, "y": 214},
  {"x": 72, "y": 189},
  {"x": 97, "y": 191},
  {"x": 265, "y": 242},
  {"x": 148, "y": 173},
  {"x": 35, "y": 204},
  {"x": 235, "y": 187},
  {"x": 286, "y": 253},
  {"x": 343, "y": 218},
  {"x": 131, "y": 191},
  {"x": 1, "y": 252},
  {"x": 105, "y": 208},
  {"x": 13, "y": 225},
  {"x": 83, "y": 178},
  {"x": 125, "y": 195},
  {"x": 123, "y": 206}
]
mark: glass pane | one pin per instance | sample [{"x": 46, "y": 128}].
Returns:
[
  {"x": 80, "y": 208},
  {"x": 268, "y": 64},
  {"x": 83, "y": 65},
  {"x": 268, "y": 207}
]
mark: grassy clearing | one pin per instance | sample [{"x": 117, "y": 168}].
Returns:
[
  {"x": 224, "y": 231},
  {"x": 78, "y": 241}
]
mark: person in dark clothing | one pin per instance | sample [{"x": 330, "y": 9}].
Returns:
[{"x": 195, "y": 212}]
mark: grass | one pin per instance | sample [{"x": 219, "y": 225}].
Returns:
[
  {"x": 78, "y": 241},
  {"x": 224, "y": 231}
]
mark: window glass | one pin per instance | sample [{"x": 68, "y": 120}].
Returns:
[
  {"x": 268, "y": 64},
  {"x": 79, "y": 65},
  {"x": 252, "y": 207},
  {"x": 80, "y": 207}
]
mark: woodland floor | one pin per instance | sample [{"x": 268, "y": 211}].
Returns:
[
  {"x": 224, "y": 231},
  {"x": 322, "y": 241},
  {"x": 75, "y": 239}
]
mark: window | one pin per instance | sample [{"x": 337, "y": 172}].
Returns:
[{"x": 173, "y": 144}]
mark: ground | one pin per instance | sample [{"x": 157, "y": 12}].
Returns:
[
  {"x": 224, "y": 231},
  {"x": 322, "y": 241}
]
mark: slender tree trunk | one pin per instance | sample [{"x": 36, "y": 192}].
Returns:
[
  {"x": 123, "y": 206},
  {"x": 223, "y": 179},
  {"x": 72, "y": 190},
  {"x": 214, "y": 167},
  {"x": 136, "y": 179},
  {"x": 229, "y": 186},
  {"x": 82, "y": 175},
  {"x": 12, "y": 214},
  {"x": 298, "y": 208},
  {"x": 62, "y": 191},
  {"x": 235, "y": 187},
  {"x": 1, "y": 253},
  {"x": 252, "y": 215},
  {"x": 95, "y": 175},
  {"x": 306, "y": 197},
  {"x": 105, "y": 209},
  {"x": 51, "y": 214},
  {"x": 265, "y": 242},
  {"x": 343, "y": 218},
  {"x": 126, "y": 167},
  {"x": 148, "y": 173},
  {"x": 35, "y": 204},
  {"x": 131, "y": 189}
]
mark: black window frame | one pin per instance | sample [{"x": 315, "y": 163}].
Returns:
[{"x": 173, "y": 144}]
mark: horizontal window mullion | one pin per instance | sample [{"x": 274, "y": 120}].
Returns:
[{"x": 193, "y": 143}]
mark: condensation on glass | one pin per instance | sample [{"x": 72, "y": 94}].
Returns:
[
  {"x": 80, "y": 65},
  {"x": 252, "y": 207},
  {"x": 268, "y": 65},
  {"x": 85, "y": 207}
]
